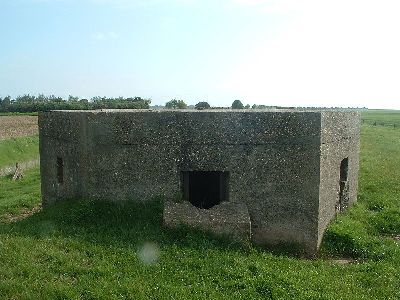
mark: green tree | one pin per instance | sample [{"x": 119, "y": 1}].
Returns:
[
  {"x": 176, "y": 104},
  {"x": 202, "y": 105},
  {"x": 41, "y": 98},
  {"x": 25, "y": 99},
  {"x": 237, "y": 104},
  {"x": 72, "y": 98},
  {"x": 28, "y": 103},
  {"x": 5, "y": 104}
]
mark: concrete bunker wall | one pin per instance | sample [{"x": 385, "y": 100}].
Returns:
[
  {"x": 61, "y": 138},
  {"x": 340, "y": 143},
  {"x": 273, "y": 160}
]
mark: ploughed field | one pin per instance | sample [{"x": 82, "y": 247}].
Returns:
[
  {"x": 88, "y": 250},
  {"x": 16, "y": 126},
  {"x": 19, "y": 142}
]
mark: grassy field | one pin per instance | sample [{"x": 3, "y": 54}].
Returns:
[
  {"x": 19, "y": 141},
  {"x": 19, "y": 196},
  {"x": 88, "y": 250},
  {"x": 18, "y": 114},
  {"x": 18, "y": 150},
  {"x": 382, "y": 117}
]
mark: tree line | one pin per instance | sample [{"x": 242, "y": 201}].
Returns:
[
  {"x": 236, "y": 104},
  {"x": 30, "y": 103}
]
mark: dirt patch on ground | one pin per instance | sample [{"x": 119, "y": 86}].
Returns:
[
  {"x": 344, "y": 261},
  {"x": 24, "y": 213},
  {"x": 14, "y": 126}
]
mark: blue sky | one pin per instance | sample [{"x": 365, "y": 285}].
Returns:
[{"x": 273, "y": 52}]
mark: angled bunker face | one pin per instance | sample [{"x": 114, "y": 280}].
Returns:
[{"x": 205, "y": 189}]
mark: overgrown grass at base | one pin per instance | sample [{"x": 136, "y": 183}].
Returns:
[
  {"x": 99, "y": 250},
  {"x": 21, "y": 194},
  {"x": 18, "y": 149}
]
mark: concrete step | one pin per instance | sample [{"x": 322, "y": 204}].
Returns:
[{"x": 227, "y": 219}]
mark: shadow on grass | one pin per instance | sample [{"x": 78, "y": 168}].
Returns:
[
  {"x": 349, "y": 238},
  {"x": 127, "y": 224},
  {"x": 123, "y": 224}
]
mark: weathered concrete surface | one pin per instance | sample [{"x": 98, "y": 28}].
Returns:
[
  {"x": 340, "y": 139},
  {"x": 282, "y": 165},
  {"x": 228, "y": 218}
]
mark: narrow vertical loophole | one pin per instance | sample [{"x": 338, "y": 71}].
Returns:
[
  {"x": 344, "y": 169},
  {"x": 343, "y": 185},
  {"x": 60, "y": 170}
]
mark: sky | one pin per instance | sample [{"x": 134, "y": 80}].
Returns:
[{"x": 330, "y": 53}]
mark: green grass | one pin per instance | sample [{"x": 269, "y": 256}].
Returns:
[
  {"x": 89, "y": 250},
  {"x": 382, "y": 117},
  {"x": 18, "y": 150},
  {"x": 20, "y": 194},
  {"x": 18, "y": 114}
]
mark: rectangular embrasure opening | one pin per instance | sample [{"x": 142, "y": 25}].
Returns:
[
  {"x": 343, "y": 185},
  {"x": 344, "y": 169},
  {"x": 60, "y": 170},
  {"x": 205, "y": 189}
]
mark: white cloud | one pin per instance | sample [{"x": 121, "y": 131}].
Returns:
[
  {"x": 103, "y": 36},
  {"x": 115, "y": 3},
  {"x": 274, "y": 6},
  {"x": 251, "y": 2},
  {"x": 140, "y": 3}
]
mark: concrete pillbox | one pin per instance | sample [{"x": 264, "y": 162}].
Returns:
[{"x": 290, "y": 170}]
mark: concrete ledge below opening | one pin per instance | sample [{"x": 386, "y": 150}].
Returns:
[{"x": 227, "y": 218}]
